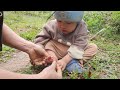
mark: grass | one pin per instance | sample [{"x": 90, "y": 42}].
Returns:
[
  {"x": 6, "y": 53},
  {"x": 25, "y": 24},
  {"x": 106, "y": 63}
]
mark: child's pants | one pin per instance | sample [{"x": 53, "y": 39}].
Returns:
[
  {"x": 60, "y": 51},
  {"x": 74, "y": 66}
]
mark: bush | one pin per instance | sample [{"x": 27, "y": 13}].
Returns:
[
  {"x": 95, "y": 20},
  {"x": 110, "y": 20},
  {"x": 115, "y": 21}
]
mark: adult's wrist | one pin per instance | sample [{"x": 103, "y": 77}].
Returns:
[{"x": 28, "y": 47}]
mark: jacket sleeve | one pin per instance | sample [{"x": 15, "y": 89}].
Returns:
[
  {"x": 76, "y": 50},
  {"x": 44, "y": 36}
]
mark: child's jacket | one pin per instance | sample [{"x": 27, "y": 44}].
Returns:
[{"x": 77, "y": 40}]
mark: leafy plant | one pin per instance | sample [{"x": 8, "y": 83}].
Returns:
[{"x": 115, "y": 21}]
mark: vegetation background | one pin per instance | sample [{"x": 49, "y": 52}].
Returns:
[{"x": 105, "y": 65}]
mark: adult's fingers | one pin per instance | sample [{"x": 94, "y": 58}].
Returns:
[
  {"x": 59, "y": 70},
  {"x": 54, "y": 64},
  {"x": 32, "y": 62},
  {"x": 38, "y": 62}
]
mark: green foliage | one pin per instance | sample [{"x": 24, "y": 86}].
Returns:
[
  {"x": 28, "y": 35},
  {"x": 6, "y": 48},
  {"x": 95, "y": 20},
  {"x": 115, "y": 21},
  {"x": 110, "y": 20},
  {"x": 5, "y": 54},
  {"x": 26, "y": 23}
]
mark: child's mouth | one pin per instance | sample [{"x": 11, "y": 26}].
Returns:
[{"x": 64, "y": 31}]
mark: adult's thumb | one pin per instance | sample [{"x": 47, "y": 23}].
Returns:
[
  {"x": 54, "y": 64},
  {"x": 59, "y": 71},
  {"x": 40, "y": 50}
]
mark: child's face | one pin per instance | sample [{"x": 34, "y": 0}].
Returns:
[{"x": 66, "y": 27}]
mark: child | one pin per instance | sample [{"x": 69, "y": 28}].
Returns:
[{"x": 66, "y": 40}]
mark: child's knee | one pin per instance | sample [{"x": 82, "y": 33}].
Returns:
[
  {"x": 93, "y": 46},
  {"x": 91, "y": 49},
  {"x": 74, "y": 66}
]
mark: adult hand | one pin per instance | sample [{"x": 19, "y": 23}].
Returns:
[
  {"x": 52, "y": 72},
  {"x": 37, "y": 55},
  {"x": 52, "y": 57},
  {"x": 49, "y": 60}
]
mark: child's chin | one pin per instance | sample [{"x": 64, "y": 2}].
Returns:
[{"x": 65, "y": 33}]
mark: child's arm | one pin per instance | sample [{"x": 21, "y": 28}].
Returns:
[
  {"x": 46, "y": 34},
  {"x": 77, "y": 48},
  {"x": 42, "y": 37},
  {"x": 64, "y": 61}
]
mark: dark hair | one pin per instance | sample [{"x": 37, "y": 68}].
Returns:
[{"x": 1, "y": 24}]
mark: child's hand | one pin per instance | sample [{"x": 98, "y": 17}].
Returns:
[
  {"x": 81, "y": 63},
  {"x": 61, "y": 64}
]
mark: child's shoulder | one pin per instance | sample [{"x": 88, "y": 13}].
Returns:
[
  {"x": 83, "y": 22},
  {"x": 82, "y": 27},
  {"x": 51, "y": 22}
]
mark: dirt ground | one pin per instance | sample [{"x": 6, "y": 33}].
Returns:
[{"x": 18, "y": 61}]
